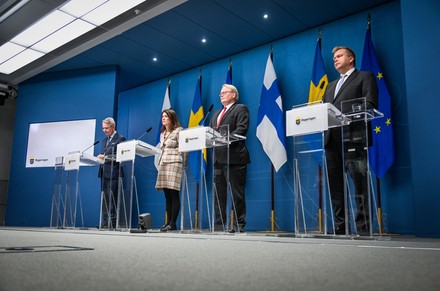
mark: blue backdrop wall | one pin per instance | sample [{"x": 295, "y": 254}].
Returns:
[
  {"x": 293, "y": 58},
  {"x": 63, "y": 96},
  {"x": 419, "y": 22},
  {"x": 393, "y": 35}
]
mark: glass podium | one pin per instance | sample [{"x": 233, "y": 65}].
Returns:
[
  {"x": 126, "y": 155},
  {"x": 198, "y": 139},
  {"x": 307, "y": 123},
  {"x": 72, "y": 201},
  {"x": 57, "y": 207},
  {"x": 360, "y": 204},
  {"x": 314, "y": 209}
]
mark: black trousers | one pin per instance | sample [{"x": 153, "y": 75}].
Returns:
[
  {"x": 172, "y": 202},
  {"x": 355, "y": 163},
  {"x": 110, "y": 202},
  {"x": 237, "y": 179}
]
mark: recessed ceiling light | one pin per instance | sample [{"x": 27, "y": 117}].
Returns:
[
  {"x": 203, "y": 40},
  {"x": 266, "y": 16},
  {"x": 154, "y": 59}
]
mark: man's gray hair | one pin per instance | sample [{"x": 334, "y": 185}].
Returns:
[
  {"x": 110, "y": 121},
  {"x": 232, "y": 88}
]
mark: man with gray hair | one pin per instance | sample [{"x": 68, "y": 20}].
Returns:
[
  {"x": 109, "y": 173},
  {"x": 232, "y": 166}
]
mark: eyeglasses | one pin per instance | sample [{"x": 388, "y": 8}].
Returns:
[{"x": 223, "y": 93}]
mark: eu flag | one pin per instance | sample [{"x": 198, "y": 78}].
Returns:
[
  {"x": 381, "y": 154},
  {"x": 229, "y": 75}
]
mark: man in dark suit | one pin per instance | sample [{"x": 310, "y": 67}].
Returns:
[
  {"x": 236, "y": 116},
  {"x": 109, "y": 173},
  {"x": 346, "y": 146}
]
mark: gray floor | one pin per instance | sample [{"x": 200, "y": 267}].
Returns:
[{"x": 56, "y": 259}]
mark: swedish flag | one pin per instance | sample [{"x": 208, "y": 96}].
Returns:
[
  {"x": 318, "y": 84},
  {"x": 319, "y": 79},
  {"x": 196, "y": 117}
]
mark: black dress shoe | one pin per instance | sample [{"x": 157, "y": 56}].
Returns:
[
  {"x": 164, "y": 227},
  {"x": 241, "y": 230}
]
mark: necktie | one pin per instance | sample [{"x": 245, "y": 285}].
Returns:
[
  {"x": 221, "y": 116},
  {"x": 339, "y": 85},
  {"x": 108, "y": 141}
]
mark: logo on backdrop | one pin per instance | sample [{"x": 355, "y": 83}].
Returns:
[{"x": 33, "y": 160}]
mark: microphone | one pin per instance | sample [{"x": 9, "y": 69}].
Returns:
[
  {"x": 95, "y": 143},
  {"x": 147, "y": 131},
  {"x": 209, "y": 111}
]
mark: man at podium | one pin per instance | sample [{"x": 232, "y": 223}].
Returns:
[
  {"x": 237, "y": 117},
  {"x": 109, "y": 173},
  {"x": 352, "y": 84}
]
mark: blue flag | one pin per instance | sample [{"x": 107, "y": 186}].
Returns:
[
  {"x": 229, "y": 75},
  {"x": 195, "y": 118},
  {"x": 270, "y": 120},
  {"x": 381, "y": 154}
]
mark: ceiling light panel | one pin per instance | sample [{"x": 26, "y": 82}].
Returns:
[
  {"x": 8, "y": 50},
  {"x": 110, "y": 10},
  {"x": 46, "y": 26},
  {"x": 20, "y": 60},
  {"x": 63, "y": 36},
  {"x": 79, "y": 8}
]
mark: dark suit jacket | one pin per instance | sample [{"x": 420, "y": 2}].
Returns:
[
  {"x": 358, "y": 84},
  {"x": 108, "y": 149},
  {"x": 237, "y": 116}
]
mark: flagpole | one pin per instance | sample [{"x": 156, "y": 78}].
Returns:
[
  {"x": 319, "y": 167},
  {"x": 196, "y": 217},
  {"x": 379, "y": 207},
  {"x": 272, "y": 188}
]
